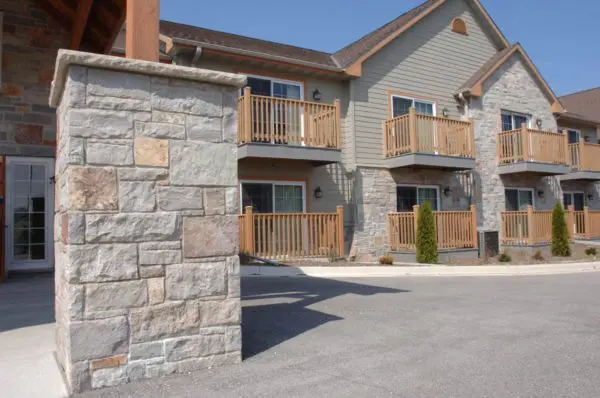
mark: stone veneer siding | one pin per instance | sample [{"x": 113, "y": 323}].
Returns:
[{"x": 146, "y": 226}]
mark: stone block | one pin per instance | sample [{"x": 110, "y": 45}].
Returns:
[
  {"x": 100, "y": 153},
  {"x": 195, "y": 280},
  {"x": 190, "y": 100},
  {"x": 168, "y": 117},
  {"x": 99, "y": 339},
  {"x": 204, "y": 128},
  {"x": 233, "y": 278},
  {"x": 209, "y": 163},
  {"x": 116, "y": 296},
  {"x": 110, "y": 362},
  {"x": 195, "y": 364},
  {"x": 200, "y": 239},
  {"x": 160, "y": 130},
  {"x": 154, "y": 257},
  {"x": 132, "y": 227},
  {"x": 163, "y": 321},
  {"x": 151, "y": 152},
  {"x": 92, "y": 123},
  {"x": 102, "y": 263},
  {"x": 137, "y": 196},
  {"x": 136, "y": 370},
  {"x": 29, "y": 134},
  {"x": 214, "y": 201},
  {"x": 74, "y": 223},
  {"x": 152, "y": 271},
  {"x": 75, "y": 151},
  {"x": 141, "y": 174},
  {"x": 233, "y": 339},
  {"x": 232, "y": 201},
  {"x": 172, "y": 198},
  {"x": 165, "y": 245},
  {"x": 222, "y": 312},
  {"x": 92, "y": 188},
  {"x": 117, "y": 90},
  {"x": 146, "y": 350},
  {"x": 156, "y": 290},
  {"x": 194, "y": 347},
  {"x": 109, "y": 377}
]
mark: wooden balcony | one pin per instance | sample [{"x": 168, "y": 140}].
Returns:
[
  {"x": 584, "y": 159},
  {"x": 281, "y": 128},
  {"x": 428, "y": 141},
  {"x": 532, "y": 151},
  {"x": 292, "y": 235}
]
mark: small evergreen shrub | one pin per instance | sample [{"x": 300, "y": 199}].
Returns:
[
  {"x": 591, "y": 251},
  {"x": 386, "y": 260},
  {"x": 427, "y": 252},
  {"x": 504, "y": 257},
  {"x": 538, "y": 256},
  {"x": 560, "y": 233}
]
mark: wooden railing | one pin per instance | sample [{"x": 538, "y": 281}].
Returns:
[
  {"x": 532, "y": 227},
  {"x": 292, "y": 235},
  {"x": 528, "y": 145},
  {"x": 584, "y": 156},
  {"x": 586, "y": 224},
  {"x": 416, "y": 133},
  {"x": 454, "y": 229},
  {"x": 287, "y": 121}
]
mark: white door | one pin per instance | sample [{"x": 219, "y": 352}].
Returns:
[{"x": 29, "y": 213}]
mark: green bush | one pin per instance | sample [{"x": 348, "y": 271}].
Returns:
[
  {"x": 591, "y": 251},
  {"x": 386, "y": 260},
  {"x": 538, "y": 256},
  {"x": 427, "y": 252},
  {"x": 560, "y": 233},
  {"x": 504, "y": 257}
]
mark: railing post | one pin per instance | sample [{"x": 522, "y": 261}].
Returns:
[
  {"x": 586, "y": 222},
  {"x": 249, "y": 229},
  {"x": 571, "y": 221},
  {"x": 474, "y": 226},
  {"x": 472, "y": 137},
  {"x": 416, "y": 216},
  {"x": 247, "y": 115},
  {"x": 340, "y": 230},
  {"x": 338, "y": 123},
  {"x": 385, "y": 139},
  {"x": 582, "y": 158},
  {"x": 530, "y": 226},
  {"x": 525, "y": 142},
  {"x": 412, "y": 129}
]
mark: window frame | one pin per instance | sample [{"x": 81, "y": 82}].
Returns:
[
  {"x": 413, "y": 99},
  {"x": 278, "y": 80},
  {"x": 273, "y": 184},
  {"x": 572, "y": 193},
  {"x": 512, "y": 115},
  {"x": 417, "y": 186},
  {"x": 579, "y": 135},
  {"x": 532, "y": 190}
]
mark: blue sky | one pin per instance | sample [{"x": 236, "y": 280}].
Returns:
[{"x": 562, "y": 37}]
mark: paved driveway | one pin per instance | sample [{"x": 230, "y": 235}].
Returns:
[{"x": 410, "y": 337}]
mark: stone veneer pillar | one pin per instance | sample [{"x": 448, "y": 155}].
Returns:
[{"x": 146, "y": 230}]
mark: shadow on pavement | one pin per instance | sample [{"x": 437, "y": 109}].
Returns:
[
  {"x": 26, "y": 300},
  {"x": 280, "y": 312}
]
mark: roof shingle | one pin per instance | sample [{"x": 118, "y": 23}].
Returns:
[{"x": 583, "y": 103}]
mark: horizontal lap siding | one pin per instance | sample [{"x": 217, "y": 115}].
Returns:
[{"x": 429, "y": 60}]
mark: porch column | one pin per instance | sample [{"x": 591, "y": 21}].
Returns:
[{"x": 146, "y": 226}]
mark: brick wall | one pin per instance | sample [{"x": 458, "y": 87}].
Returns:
[{"x": 30, "y": 43}]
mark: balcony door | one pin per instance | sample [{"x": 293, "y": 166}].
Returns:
[
  {"x": 575, "y": 199},
  {"x": 426, "y": 129},
  {"x": 408, "y": 196},
  {"x": 273, "y": 197},
  {"x": 517, "y": 199}
]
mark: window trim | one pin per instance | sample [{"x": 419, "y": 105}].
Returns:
[
  {"x": 436, "y": 187},
  {"x": 532, "y": 190},
  {"x": 413, "y": 99},
  {"x": 512, "y": 114},
  {"x": 273, "y": 183},
  {"x": 279, "y": 80}
]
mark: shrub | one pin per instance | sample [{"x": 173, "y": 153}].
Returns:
[
  {"x": 591, "y": 251},
  {"x": 538, "y": 256},
  {"x": 426, "y": 243},
  {"x": 386, "y": 260},
  {"x": 504, "y": 257},
  {"x": 560, "y": 233}
]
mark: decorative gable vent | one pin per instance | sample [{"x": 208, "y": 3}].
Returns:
[{"x": 459, "y": 26}]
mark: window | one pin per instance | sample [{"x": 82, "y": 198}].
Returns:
[
  {"x": 401, "y": 105},
  {"x": 277, "y": 88},
  {"x": 574, "y": 136},
  {"x": 518, "y": 199},
  {"x": 273, "y": 197},
  {"x": 459, "y": 26},
  {"x": 575, "y": 199},
  {"x": 513, "y": 120},
  {"x": 409, "y": 196}
]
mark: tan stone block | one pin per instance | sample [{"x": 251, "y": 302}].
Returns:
[
  {"x": 92, "y": 188},
  {"x": 110, "y": 362},
  {"x": 151, "y": 152},
  {"x": 156, "y": 290},
  {"x": 210, "y": 236}
]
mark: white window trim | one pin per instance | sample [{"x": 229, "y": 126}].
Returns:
[
  {"x": 436, "y": 187},
  {"x": 512, "y": 114},
  {"x": 413, "y": 99},
  {"x": 273, "y": 183},
  {"x": 532, "y": 190},
  {"x": 284, "y": 81}
]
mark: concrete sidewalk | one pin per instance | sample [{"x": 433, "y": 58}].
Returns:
[{"x": 418, "y": 270}]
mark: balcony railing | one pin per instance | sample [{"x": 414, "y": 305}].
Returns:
[
  {"x": 454, "y": 229},
  {"x": 584, "y": 156},
  {"x": 528, "y": 145},
  {"x": 292, "y": 235},
  {"x": 285, "y": 121},
  {"x": 416, "y": 133},
  {"x": 586, "y": 224}
]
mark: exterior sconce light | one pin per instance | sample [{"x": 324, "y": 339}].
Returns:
[
  {"x": 318, "y": 193},
  {"x": 316, "y": 95},
  {"x": 539, "y": 123},
  {"x": 540, "y": 193},
  {"x": 590, "y": 196},
  {"x": 447, "y": 191},
  {"x": 445, "y": 112}
]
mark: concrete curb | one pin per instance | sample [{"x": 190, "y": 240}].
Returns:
[{"x": 434, "y": 270}]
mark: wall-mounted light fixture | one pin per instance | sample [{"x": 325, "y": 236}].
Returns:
[
  {"x": 539, "y": 123},
  {"x": 540, "y": 193},
  {"x": 590, "y": 196},
  {"x": 318, "y": 193},
  {"x": 445, "y": 112},
  {"x": 316, "y": 95},
  {"x": 447, "y": 191}
]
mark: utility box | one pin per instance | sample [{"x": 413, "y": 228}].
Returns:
[{"x": 489, "y": 243}]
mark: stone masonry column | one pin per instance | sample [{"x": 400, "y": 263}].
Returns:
[{"x": 146, "y": 230}]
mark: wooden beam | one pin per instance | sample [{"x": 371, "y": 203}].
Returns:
[
  {"x": 141, "y": 36},
  {"x": 81, "y": 19},
  {"x": 116, "y": 26}
]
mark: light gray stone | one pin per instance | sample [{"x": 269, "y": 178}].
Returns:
[
  {"x": 142, "y": 117},
  {"x": 154, "y": 257},
  {"x": 190, "y": 100},
  {"x": 194, "y": 347},
  {"x": 75, "y": 151},
  {"x": 102, "y": 263},
  {"x": 168, "y": 117},
  {"x": 137, "y": 196},
  {"x": 222, "y": 312},
  {"x": 142, "y": 174},
  {"x": 76, "y": 228},
  {"x": 195, "y": 364},
  {"x": 162, "y": 369},
  {"x": 156, "y": 290},
  {"x": 116, "y": 296},
  {"x": 163, "y": 321},
  {"x": 204, "y": 128},
  {"x": 109, "y": 377},
  {"x": 172, "y": 198},
  {"x": 146, "y": 350},
  {"x": 160, "y": 130},
  {"x": 233, "y": 339},
  {"x": 136, "y": 370},
  {"x": 99, "y": 339},
  {"x": 232, "y": 201},
  {"x": 106, "y": 83},
  {"x": 152, "y": 271},
  {"x": 195, "y": 280},
  {"x": 199, "y": 239},
  {"x": 209, "y": 163},
  {"x": 174, "y": 245},
  {"x": 92, "y": 123},
  {"x": 132, "y": 227},
  {"x": 233, "y": 277},
  {"x": 214, "y": 201},
  {"x": 109, "y": 154},
  {"x": 230, "y": 132}
]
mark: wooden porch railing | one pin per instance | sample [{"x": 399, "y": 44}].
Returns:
[
  {"x": 532, "y": 227},
  {"x": 292, "y": 235},
  {"x": 584, "y": 156},
  {"x": 528, "y": 145},
  {"x": 586, "y": 224},
  {"x": 415, "y": 133},
  {"x": 288, "y": 121},
  {"x": 454, "y": 229}
]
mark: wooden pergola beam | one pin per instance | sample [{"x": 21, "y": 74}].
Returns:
[
  {"x": 81, "y": 19},
  {"x": 141, "y": 36}
]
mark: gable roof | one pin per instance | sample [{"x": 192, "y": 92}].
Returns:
[
  {"x": 474, "y": 85},
  {"x": 585, "y": 104}
]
